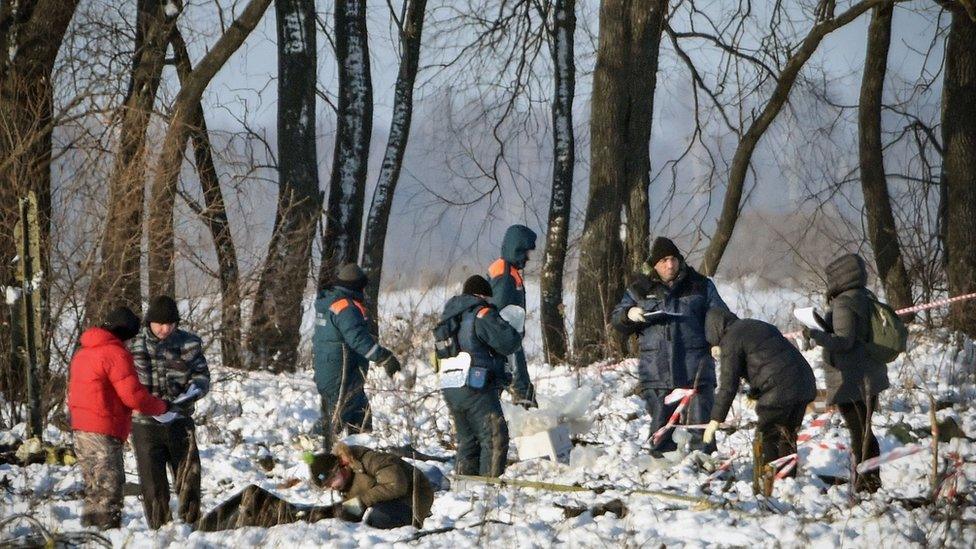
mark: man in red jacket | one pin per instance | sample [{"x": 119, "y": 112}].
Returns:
[{"x": 102, "y": 392}]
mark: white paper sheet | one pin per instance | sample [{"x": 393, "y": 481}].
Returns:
[{"x": 810, "y": 318}]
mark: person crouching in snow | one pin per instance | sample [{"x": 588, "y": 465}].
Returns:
[
  {"x": 103, "y": 389},
  {"x": 780, "y": 379},
  {"x": 395, "y": 492},
  {"x": 472, "y": 392}
]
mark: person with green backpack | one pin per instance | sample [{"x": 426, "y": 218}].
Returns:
[{"x": 862, "y": 336}]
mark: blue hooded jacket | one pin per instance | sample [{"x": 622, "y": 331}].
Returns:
[
  {"x": 673, "y": 349},
  {"x": 342, "y": 338},
  {"x": 505, "y": 274}
]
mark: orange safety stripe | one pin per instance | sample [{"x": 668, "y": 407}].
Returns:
[
  {"x": 340, "y": 305},
  {"x": 497, "y": 268},
  {"x": 483, "y": 311}
]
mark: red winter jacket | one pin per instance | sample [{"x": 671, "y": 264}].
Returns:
[{"x": 104, "y": 387}]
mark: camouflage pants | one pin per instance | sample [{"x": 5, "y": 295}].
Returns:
[{"x": 100, "y": 459}]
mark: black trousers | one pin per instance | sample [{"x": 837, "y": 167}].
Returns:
[
  {"x": 390, "y": 514},
  {"x": 864, "y": 446},
  {"x": 159, "y": 446},
  {"x": 778, "y": 427}
]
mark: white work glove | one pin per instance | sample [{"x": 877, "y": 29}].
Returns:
[
  {"x": 709, "y": 435},
  {"x": 635, "y": 314},
  {"x": 353, "y": 508}
]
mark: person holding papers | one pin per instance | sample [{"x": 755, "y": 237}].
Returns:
[
  {"x": 103, "y": 389},
  {"x": 666, "y": 309},
  {"x": 171, "y": 365}
]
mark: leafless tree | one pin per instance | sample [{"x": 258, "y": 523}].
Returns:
[
  {"x": 620, "y": 126},
  {"x": 410, "y": 24},
  {"x": 117, "y": 279},
  {"x": 354, "y": 126},
  {"x": 959, "y": 171}
]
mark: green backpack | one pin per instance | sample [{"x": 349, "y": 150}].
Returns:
[{"x": 889, "y": 336}]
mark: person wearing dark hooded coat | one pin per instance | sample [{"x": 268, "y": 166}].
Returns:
[
  {"x": 482, "y": 447},
  {"x": 780, "y": 379},
  {"x": 342, "y": 348},
  {"x": 666, "y": 310},
  {"x": 508, "y": 295},
  {"x": 854, "y": 378}
]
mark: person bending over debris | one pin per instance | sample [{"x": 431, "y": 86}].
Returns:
[
  {"x": 342, "y": 348},
  {"x": 780, "y": 380},
  {"x": 666, "y": 310},
  {"x": 472, "y": 380},
  {"x": 393, "y": 492},
  {"x": 171, "y": 365},
  {"x": 103, "y": 389}
]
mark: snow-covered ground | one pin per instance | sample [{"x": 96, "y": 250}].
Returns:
[{"x": 249, "y": 416}]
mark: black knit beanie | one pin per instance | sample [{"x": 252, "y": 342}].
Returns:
[
  {"x": 122, "y": 322},
  {"x": 476, "y": 285},
  {"x": 162, "y": 310},
  {"x": 663, "y": 247}
]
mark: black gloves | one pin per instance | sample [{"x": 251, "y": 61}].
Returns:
[{"x": 391, "y": 365}]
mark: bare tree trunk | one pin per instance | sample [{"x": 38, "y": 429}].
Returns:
[
  {"x": 277, "y": 314},
  {"x": 214, "y": 214},
  {"x": 647, "y": 21},
  {"x": 882, "y": 231},
  {"x": 630, "y": 33},
  {"x": 162, "y": 197},
  {"x": 31, "y": 32},
  {"x": 117, "y": 277},
  {"x": 750, "y": 139},
  {"x": 379, "y": 211},
  {"x": 959, "y": 142},
  {"x": 554, "y": 339},
  {"x": 354, "y": 126}
]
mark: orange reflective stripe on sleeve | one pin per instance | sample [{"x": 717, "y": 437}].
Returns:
[
  {"x": 483, "y": 311},
  {"x": 497, "y": 268},
  {"x": 362, "y": 309}
]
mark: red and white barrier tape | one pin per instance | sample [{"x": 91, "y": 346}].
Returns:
[
  {"x": 897, "y": 453},
  {"x": 949, "y": 483},
  {"x": 684, "y": 395},
  {"x": 935, "y": 304}
]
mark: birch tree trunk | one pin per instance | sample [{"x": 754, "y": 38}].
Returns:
[
  {"x": 344, "y": 214},
  {"x": 374, "y": 243},
  {"x": 277, "y": 314},
  {"x": 554, "y": 338}
]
